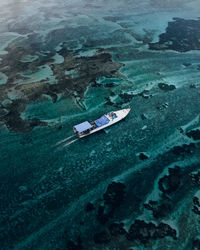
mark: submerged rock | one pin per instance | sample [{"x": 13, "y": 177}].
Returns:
[
  {"x": 144, "y": 116},
  {"x": 196, "y": 204},
  {"x": 170, "y": 183},
  {"x": 89, "y": 207},
  {"x": 143, "y": 156},
  {"x": 192, "y": 86},
  {"x": 117, "y": 229},
  {"x": 60, "y": 127},
  {"x": 183, "y": 149},
  {"x": 3, "y": 112},
  {"x": 196, "y": 244},
  {"x": 72, "y": 245},
  {"x": 110, "y": 85},
  {"x": 145, "y": 94},
  {"x": 104, "y": 213},
  {"x": 166, "y": 87},
  {"x": 36, "y": 122},
  {"x": 22, "y": 189},
  {"x": 114, "y": 194},
  {"x": 126, "y": 97},
  {"x": 195, "y": 178},
  {"x": 102, "y": 237},
  {"x": 194, "y": 134},
  {"x": 113, "y": 198},
  {"x": 158, "y": 209},
  {"x": 144, "y": 231},
  {"x": 181, "y": 35},
  {"x": 186, "y": 64},
  {"x": 165, "y": 105},
  {"x": 90, "y": 68}
]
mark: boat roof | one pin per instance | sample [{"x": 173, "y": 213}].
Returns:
[
  {"x": 102, "y": 121},
  {"x": 83, "y": 126}
]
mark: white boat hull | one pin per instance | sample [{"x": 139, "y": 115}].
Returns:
[{"x": 121, "y": 114}]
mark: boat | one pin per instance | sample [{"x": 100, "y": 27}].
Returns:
[{"x": 87, "y": 128}]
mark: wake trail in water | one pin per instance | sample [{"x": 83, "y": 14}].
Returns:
[
  {"x": 63, "y": 144},
  {"x": 66, "y": 139},
  {"x": 68, "y": 143}
]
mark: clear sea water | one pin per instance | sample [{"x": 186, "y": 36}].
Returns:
[{"x": 48, "y": 176}]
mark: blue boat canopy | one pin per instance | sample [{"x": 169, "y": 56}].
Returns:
[
  {"x": 83, "y": 126},
  {"x": 102, "y": 121}
]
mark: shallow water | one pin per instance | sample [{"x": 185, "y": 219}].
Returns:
[{"x": 47, "y": 175}]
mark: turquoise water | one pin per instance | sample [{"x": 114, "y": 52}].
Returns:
[{"x": 48, "y": 175}]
